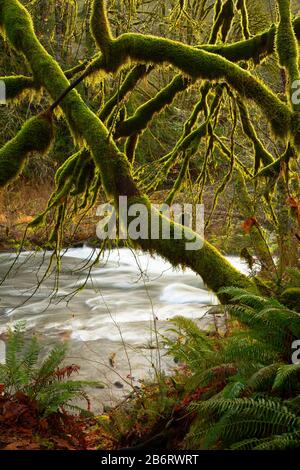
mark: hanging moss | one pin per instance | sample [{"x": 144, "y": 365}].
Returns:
[
  {"x": 198, "y": 64},
  {"x": 35, "y": 136},
  {"x": 144, "y": 114},
  {"x": 228, "y": 16},
  {"x": 66, "y": 169},
  {"x": 273, "y": 169},
  {"x": 286, "y": 43},
  {"x": 202, "y": 261},
  {"x": 201, "y": 64},
  {"x": 217, "y": 22},
  {"x": 178, "y": 183},
  {"x": 132, "y": 78},
  {"x": 86, "y": 126},
  {"x": 130, "y": 147},
  {"x": 262, "y": 156},
  {"x": 100, "y": 27},
  {"x": 18, "y": 86},
  {"x": 241, "y": 6}
]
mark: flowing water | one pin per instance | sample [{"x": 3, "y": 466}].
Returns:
[{"x": 111, "y": 316}]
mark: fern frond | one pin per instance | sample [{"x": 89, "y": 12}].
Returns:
[
  {"x": 285, "y": 375},
  {"x": 263, "y": 379},
  {"x": 240, "y": 418}
]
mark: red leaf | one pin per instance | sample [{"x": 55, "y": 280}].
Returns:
[
  {"x": 295, "y": 205},
  {"x": 249, "y": 223}
]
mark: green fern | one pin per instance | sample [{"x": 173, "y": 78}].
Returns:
[
  {"x": 240, "y": 419},
  {"x": 287, "y": 377},
  {"x": 45, "y": 382}
]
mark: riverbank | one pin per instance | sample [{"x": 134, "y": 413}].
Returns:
[
  {"x": 24, "y": 200},
  {"x": 114, "y": 325}
]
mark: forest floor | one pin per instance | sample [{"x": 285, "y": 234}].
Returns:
[{"x": 23, "y": 428}]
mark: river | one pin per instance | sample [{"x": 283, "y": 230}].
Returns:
[{"x": 111, "y": 316}]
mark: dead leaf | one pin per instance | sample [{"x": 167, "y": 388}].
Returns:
[{"x": 249, "y": 223}]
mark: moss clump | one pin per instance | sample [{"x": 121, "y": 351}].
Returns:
[
  {"x": 35, "y": 136},
  {"x": 291, "y": 298}
]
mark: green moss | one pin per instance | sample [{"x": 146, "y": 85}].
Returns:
[
  {"x": 286, "y": 45},
  {"x": 66, "y": 169},
  {"x": 291, "y": 298},
  {"x": 273, "y": 169},
  {"x": 83, "y": 177},
  {"x": 180, "y": 178},
  {"x": 256, "y": 48},
  {"x": 201, "y": 64},
  {"x": 132, "y": 78},
  {"x": 130, "y": 147},
  {"x": 200, "y": 106},
  {"x": 203, "y": 261},
  {"x": 144, "y": 114},
  {"x": 242, "y": 7},
  {"x": 217, "y": 23},
  {"x": 262, "y": 156},
  {"x": 228, "y": 15},
  {"x": 100, "y": 27},
  {"x": 35, "y": 136},
  {"x": 85, "y": 125},
  {"x": 189, "y": 145},
  {"x": 19, "y": 86}
]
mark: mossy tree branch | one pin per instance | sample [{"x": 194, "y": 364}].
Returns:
[
  {"x": 112, "y": 164},
  {"x": 199, "y": 64},
  {"x": 287, "y": 47},
  {"x": 35, "y": 136},
  {"x": 144, "y": 114}
]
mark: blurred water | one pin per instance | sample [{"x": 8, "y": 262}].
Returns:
[{"x": 115, "y": 302}]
